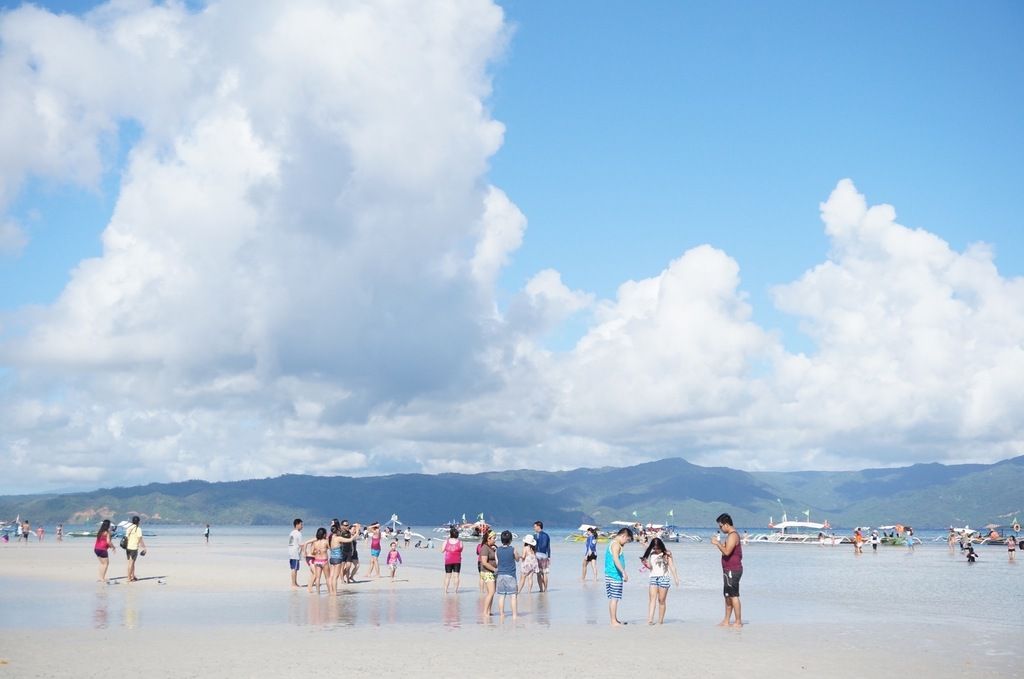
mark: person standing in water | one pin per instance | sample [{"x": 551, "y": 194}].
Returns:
[
  {"x": 543, "y": 555},
  {"x": 505, "y": 583},
  {"x": 488, "y": 571},
  {"x": 590, "y": 554},
  {"x": 206, "y": 534},
  {"x": 374, "y": 551},
  {"x": 615, "y": 573},
  {"x": 452, "y": 551},
  {"x": 659, "y": 560},
  {"x": 732, "y": 570},
  {"x": 102, "y": 548},
  {"x": 295, "y": 551}
]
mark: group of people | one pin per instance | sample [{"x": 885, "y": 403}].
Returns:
[
  {"x": 23, "y": 530},
  {"x": 505, "y": 570},
  {"x": 333, "y": 557}
]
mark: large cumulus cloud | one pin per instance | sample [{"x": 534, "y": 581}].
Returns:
[{"x": 300, "y": 276}]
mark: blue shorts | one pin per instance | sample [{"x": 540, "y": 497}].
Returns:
[
  {"x": 613, "y": 588},
  {"x": 374, "y": 553},
  {"x": 293, "y": 564},
  {"x": 506, "y": 585},
  {"x": 661, "y": 581}
]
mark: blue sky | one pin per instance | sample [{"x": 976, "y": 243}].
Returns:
[
  {"x": 638, "y": 131},
  {"x": 393, "y": 313},
  {"x": 635, "y": 132}
]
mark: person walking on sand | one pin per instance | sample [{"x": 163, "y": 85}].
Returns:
[
  {"x": 135, "y": 546},
  {"x": 374, "y": 569},
  {"x": 102, "y": 548},
  {"x": 394, "y": 559},
  {"x": 543, "y": 555},
  {"x": 206, "y": 534},
  {"x": 452, "y": 551},
  {"x": 615, "y": 573},
  {"x": 661, "y": 564},
  {"x": 590, "y": 554},
  {"x": 60, "y": 532},
  {"x": 732, "y": 570},
  {"x": 295, "y": 551},
  {"x": 528, "y": 565},
  {"x": 505, "y": 582},
  {"x": 488, "y": 569}
]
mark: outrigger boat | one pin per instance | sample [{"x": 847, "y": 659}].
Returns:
[
  {"x": 801, "y": 533},
  {"x": 467, "y": 530},
  {"x": 897, "y": 536},
  {"x": 581, "y": 535},
  {"x": 670, "y": 533}
]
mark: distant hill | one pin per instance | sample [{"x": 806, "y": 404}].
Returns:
[{"x": 923, "y": 495}]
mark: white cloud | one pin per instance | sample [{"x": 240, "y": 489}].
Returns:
[
  {"x": 13, "y": 238},
  {"x": 300, "y": 273}
]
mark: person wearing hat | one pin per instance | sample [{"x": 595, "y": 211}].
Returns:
[{"x": 528, "y": 567}]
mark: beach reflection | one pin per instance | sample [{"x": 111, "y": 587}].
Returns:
[
  {"x": 101, "y": 609},
  {"x": 131, "y": 610},
  {"x": 451, "y": 615}
]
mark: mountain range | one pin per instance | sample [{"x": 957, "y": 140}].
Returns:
[{"x": 923, "y": 495}]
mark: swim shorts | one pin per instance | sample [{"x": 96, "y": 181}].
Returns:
[
  {"x": 487, "y": 576},
  {"x": 293, "y": 564},
  {"x": 453, "y": 568},
  {"x": 591, "y": 557},
  {"x": 543, "y": 562},
  {"x": 101, "y": 553},
  {"x": 335, "y": 562},
  {"x": 613, "y": 588},
  {"x": 132, "y": 554},
  {"x": 507, "y": 585},
  {"x": 661, "y": 581},
  {"x": 731, "y": 583},
  {"x": 374, "y": 553}
]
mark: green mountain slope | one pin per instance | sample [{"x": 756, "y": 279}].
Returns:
[{"x": 926, "y": 495}]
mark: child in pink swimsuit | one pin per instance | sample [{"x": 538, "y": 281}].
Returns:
[{"x": 394, "y": 559}]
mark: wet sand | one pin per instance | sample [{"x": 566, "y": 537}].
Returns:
[{"x": 226, "y": 610}]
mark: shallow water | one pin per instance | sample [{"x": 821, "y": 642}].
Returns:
[{"x": 781, "y": 584}]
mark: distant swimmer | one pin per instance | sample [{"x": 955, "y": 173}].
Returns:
[{"x": 1011, "y": 547}]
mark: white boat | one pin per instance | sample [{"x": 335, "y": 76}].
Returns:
[
  {"x": 670, "y": 533},
  {"x": 801, "y": 533}
]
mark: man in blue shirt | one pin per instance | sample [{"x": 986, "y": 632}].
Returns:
[{"x": 543, "y": 555}]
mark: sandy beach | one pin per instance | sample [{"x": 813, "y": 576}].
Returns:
[{"x": 226, "y": 610}]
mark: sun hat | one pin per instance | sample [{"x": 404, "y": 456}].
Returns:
[{"x": 530, "y": 540}]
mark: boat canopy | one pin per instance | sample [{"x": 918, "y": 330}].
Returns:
[{"x": 801, "y": 524}]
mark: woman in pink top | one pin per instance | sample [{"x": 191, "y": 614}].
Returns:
[
  {"x": 102, "y": 548},
  {"x": 452, "y": 559},
  {"x": 374, "y": 551}
]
